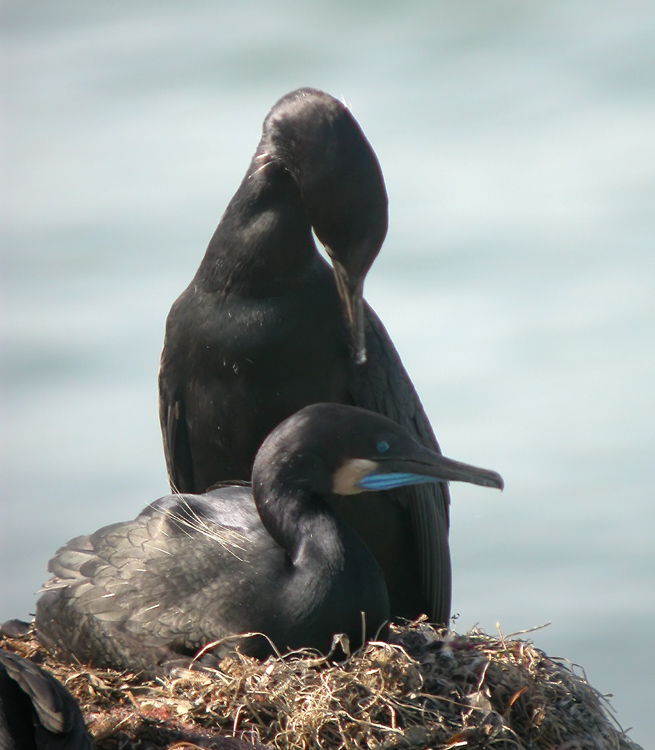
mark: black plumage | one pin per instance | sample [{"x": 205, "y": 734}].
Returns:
[
  {"x": 36, "y": 711},
  {"x": 194, "y": 569},
  {"x": 267, "y": 327}
]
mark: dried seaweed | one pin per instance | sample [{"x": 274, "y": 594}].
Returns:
[{"x": 426, "y": 688}]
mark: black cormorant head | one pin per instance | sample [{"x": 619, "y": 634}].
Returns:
[
  {"x": 341, "y": 185},
  {"x": 345, "y": 450}
]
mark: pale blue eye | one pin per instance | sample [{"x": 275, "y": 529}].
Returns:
[{"x": 382, "y": 446}]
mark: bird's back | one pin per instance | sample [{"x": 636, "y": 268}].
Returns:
[{"x": 194, "y": 569}]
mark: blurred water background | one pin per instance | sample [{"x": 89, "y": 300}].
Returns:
[{"x": 518, "y": 278}]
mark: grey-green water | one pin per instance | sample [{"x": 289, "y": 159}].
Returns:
[{"x": 518, "y": 278}]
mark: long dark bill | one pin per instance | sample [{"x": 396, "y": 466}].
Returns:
[
  {"x": 426, "y": 466},
  {"x": 351, "y": 294}
]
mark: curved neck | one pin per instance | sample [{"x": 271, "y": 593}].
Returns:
[
  {"x": 332, "y": 576},
  {"x": 298, "y": 518},
  {"x": 263, "y": 238}
]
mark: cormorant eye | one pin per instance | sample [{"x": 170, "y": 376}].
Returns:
[{"x": 382, "y": 446}]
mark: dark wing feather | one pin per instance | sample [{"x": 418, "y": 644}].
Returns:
[
  {"x": 60, "y": 722},
  {"x": 133, "y": 594},
  {"x": 175, "y": 432},
  {"x": 383, "y": 385}
]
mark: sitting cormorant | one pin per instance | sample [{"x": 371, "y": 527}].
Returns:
[
  {"x": 36, "y": 711},
  {"x": 193, "y": 569},
  {"x": 267, "y": 327}
]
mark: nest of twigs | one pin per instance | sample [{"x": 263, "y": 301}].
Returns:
[{"x": 427, "y": 688}]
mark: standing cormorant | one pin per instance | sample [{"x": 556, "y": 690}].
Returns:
[
  {"x": 194, "y": 569},
  {"x": 267, "y": 327}
]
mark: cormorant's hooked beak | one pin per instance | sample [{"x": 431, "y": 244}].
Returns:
[
  {"x": 424, "y": 466},
  {"x": 351, "y": 294}
]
